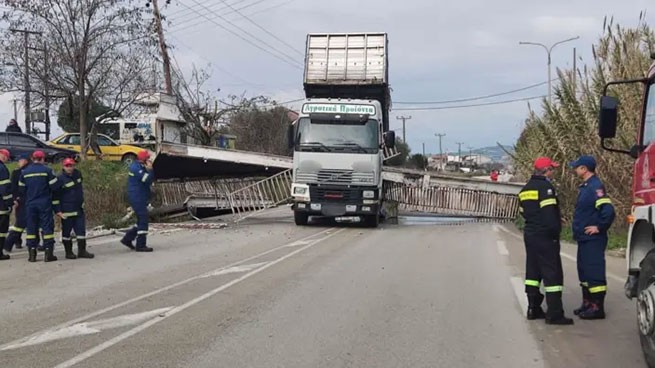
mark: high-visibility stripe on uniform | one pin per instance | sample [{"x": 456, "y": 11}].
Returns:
[
  {"x": 554, "y": 289},
  {"x": 145, "y": 177},
  {"x": 69, "y": 184},
  {"x": 53, "y": 181},
  {"x": 48, "y": 237},
  {"x": 548, "y": 202},
  {"x": 534, "y": 283},
  {"x": 585, "y": 284},
  {"x": 529, "y": 195},
  {"x": 598, "y": 289},
  {"x": 3, "y": 235},
  {"x": 4, "y": 212},
  {"x": 21, "y": 184},
  {"x": 79, "y": 180},
  {"x": 56, "y": 202},
  {"x": 130, "y": 174},
  {"x": 8, "y": 196},
  {"x": 142, "y": 232},
  {"x": 30, "y": 237},
  {"x": 17, "y": 229},
  {"x": 603, "y": 201},
  {"x": 36, "y": 174},
  {"x": 82, "y": 237},
  {"x": 69, "y": 214},
  {"x": 4, "y": 182}
]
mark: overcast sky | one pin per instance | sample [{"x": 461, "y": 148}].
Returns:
[{"x": 439, "y": 50}]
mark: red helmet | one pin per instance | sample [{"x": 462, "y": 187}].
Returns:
[
  {"x": 38, "y": 155},
  {"x": 5, "y": 152},
  {"x": 544, "y": 162},
  {"x": 68, "y": 162},
  {"x": 143, "y": 155}
]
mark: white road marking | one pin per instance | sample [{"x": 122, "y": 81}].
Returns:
[
  {"x": 87, "y": 328},
  {"x": 235, "y": 269},
  {"x": 502, "y": 248},
  {"x": 297, "y": 243},
  {"x": 519, "y": 291},
  {"x": 166, "y": 288},
  {"x": 109, "y": 343},
  {"x": 567, "y": 256}
]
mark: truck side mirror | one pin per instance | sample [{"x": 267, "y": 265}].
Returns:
[
  {"x": 291, "y": 137},
  {"x": 608, "y": 117},
  {"x": 390, "y": 139}
]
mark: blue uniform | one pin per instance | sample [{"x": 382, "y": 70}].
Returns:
[
  {"x": 37, "y": 183},
  {"x": 139, "y": 182},
  {"x": 69, "y": 200},
  {"x": 593, "y": 208},
  {"x": 6, "y": 201},
  {"x": 20, "y": 221}
]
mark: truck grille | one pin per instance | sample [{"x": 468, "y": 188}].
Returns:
[
  {"x": 337, "y": 195},
  {"x": 336, "y": 177}
]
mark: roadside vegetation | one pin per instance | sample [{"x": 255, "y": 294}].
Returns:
[{"x": 568, "y": 128}]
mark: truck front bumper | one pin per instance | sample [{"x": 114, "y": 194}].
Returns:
[{"x": 337, "y": 209}]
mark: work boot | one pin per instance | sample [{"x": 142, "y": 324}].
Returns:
[
  {"x": 585, "y": 301},
  {"x": 81, "y": 249},
  {"x": 534, "y": 307},
  {"x": 3, "y": 257},
  {"x": 49, "y": 256},
  {"x": 555, "y": 313},
  {"x": 32, "y": 254},
  {"x": 68, "y": 248},
  {"x": 127, "y": 243},
  {"x": 40, "y": 248},
  {"x": 596, "y": 308},
  {"x": 144, "y": 249}
]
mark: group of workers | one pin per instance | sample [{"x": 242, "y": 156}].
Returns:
[
  {"x": 36, "y": 195},
  {"x": 592, "y": 217}
]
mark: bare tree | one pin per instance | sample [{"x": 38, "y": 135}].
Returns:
[
  {"x": 204, "y": 113},
  {"x": 97, "y": 49}
]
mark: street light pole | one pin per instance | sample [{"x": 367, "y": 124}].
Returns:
[{"x": 549, "y": 50}]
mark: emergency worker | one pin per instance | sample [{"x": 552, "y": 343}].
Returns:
[
  {"x": 593, "y": 216},
  {"x": 139, "y": 181},
  {"x": 6, "y": 200},
  {"x": 37, "y": 183},
  {"x": 68, "y": 204},
  {"x": 20, "y": 218},
  {"x": 539, "y": 207}
]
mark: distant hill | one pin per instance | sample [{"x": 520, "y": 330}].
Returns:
[{"x": 494, "y": 152}]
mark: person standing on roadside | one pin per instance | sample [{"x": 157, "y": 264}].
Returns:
[
  {"x": 20, "y": 219},
  {"x": 13, "y": 127},
  {"x": 543, "y": 225},
  {"x": 68, "y": 203},
  {"x": 5, "y": 200},
  {"x": 139, "y": 181},
  {"x": 593, "y": 216}
]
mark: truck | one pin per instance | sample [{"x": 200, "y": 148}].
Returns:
[
  {"x": 342, "y": 129},
  {"x": 640, "y": 250}
]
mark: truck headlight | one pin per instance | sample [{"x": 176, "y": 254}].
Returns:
[
  {"x": 300, "y": 190},
  {"x": 368, "y": 194}
]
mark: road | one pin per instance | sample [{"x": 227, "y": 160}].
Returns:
[{"x": 270, "y": 294}]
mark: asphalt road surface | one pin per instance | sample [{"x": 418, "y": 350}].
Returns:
[{"x": 270, "y": 294}]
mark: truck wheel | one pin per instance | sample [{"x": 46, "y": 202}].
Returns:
[
  {"x": 372, "y": 221},
  {"x": 300, "y": 218},
  {"x": 128, "y": 158},
  {"x": 646, "y": 308}
]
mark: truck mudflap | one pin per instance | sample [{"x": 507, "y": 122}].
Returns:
[{"x": 631, "y": 286}]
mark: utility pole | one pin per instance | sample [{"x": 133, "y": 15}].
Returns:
[
  {"x": 575, "y": 71},
  {"x": 26, "y": 80},
  {"x": 403, "y": 118},
  {"x": 459, "y": 150},
  {"x": 440, "y": 150},
  {"x": 46, "y": 88},
  {"x": 162, "y": 45},
  {"x": 423, "y": 149},
  {"x": 15, "y": 100}
]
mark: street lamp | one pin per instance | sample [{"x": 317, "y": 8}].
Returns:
[{"x": 548, "y": 51}]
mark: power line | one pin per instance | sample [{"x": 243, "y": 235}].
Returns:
[
  {"x": 291, "y": 47},
  {"x": 191, "y": 20},
  {"x": 472, "y": 98},
  {"x": 470, "y": 105},
  {"x": 182, "y": 13},
  {"x": 295, "y": 65}
]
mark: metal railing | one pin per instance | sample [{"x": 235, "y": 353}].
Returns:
[{"x": 255, "y": 198}]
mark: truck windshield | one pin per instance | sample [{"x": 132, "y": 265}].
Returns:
[{"x": 336, "y": 135}]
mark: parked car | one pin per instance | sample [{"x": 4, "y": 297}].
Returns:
[
  {"x": 111, "y": 150},
  {"x": 24, "y": 144}
]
